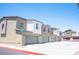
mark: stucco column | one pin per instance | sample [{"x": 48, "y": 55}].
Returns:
[{"x": 23, "y": 40}]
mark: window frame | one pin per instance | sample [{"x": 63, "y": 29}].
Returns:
[
  {"x": 2, "y": 26},
  {"x": 20, "y": 25},
  {"x": 37, "y": 26}
]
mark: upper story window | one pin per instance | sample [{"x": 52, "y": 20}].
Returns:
[
  {"x": 48, "y": 29},
  {"x": 68, "y": 33},
  {"x": 2, "y": 26},
  {"x": 36, "y": 25},
  {"x": 20, "y": 24},
  {"x": 44, "y": 29}
]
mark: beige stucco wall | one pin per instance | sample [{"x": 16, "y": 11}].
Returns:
[{"x": 11, "y": 36}]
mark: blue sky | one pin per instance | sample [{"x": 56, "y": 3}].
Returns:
[{"x": 60, "y": 15}]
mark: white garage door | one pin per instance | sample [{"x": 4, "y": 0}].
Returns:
[
  {"x": 44, "y": 39},
  {"x": 31, "y": 40}
]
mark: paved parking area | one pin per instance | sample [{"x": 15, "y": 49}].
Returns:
[
  {"x": 53, "y": 48},
  {"x": 7, "y": 51}
]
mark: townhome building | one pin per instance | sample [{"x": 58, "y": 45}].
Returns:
[
  {"x": 56, "y": 34},
  {"x": 70, "y": 35},
  {"x": 18, "y": 30}
]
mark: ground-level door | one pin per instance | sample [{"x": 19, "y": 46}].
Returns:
[
  {"x": 30, "y": 40},
  {"x": 45, "y": 39}
]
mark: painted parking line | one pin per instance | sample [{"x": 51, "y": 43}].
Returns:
[{"x": 23, "y": 51}]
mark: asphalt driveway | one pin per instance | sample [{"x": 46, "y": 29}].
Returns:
[{"x": 6, "y": 51}]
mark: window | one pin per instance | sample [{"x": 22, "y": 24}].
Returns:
[
  {"x": 20, "y": 24},
  {"x": 44, "y": 30},
  {"x": 68, "y": 33},
  {"x": 3, "y": 35},
  {"x": 37, "y": 26},
  {"x": 2, "y": 26},
  {"x": 48, "y": 29},
  {"x": 30, "y": 27}
]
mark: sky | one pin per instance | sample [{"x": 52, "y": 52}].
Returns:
[{"x": 60, "y": 15}]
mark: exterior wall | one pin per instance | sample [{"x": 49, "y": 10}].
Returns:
[
  {"x": 74, "y": 34},
  {"x": 77, "y": 34},
  {"x": 55, "y": 35},
  {"x": 3, "y": 28},
  {"x": 3, "y": 31},
  {"x": 11, "y": 36},
  {"x": 56, "y": 32},
  {"x": 33, "y": 27},
  {"x": 54, "y": 38},
  {"x": 45, "y": 29},
  {"x": 44, "y": 38},
  {"x": 68, "y": 34}
]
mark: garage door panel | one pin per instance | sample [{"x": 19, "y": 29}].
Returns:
[
  {"x": 31, "y": 40},
  {"x": 44, "y": 39}
]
